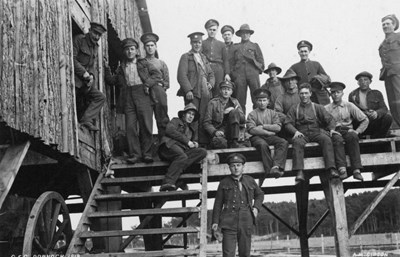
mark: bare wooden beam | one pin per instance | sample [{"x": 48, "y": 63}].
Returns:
[
  {"x": 302, "y": 214},
  {"x": 316, "y": 225},
  {"x": 280, "y": 219}
]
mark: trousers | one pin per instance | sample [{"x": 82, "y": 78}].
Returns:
[
  {"x": 219, "y": 77},
  {"x": 96, "y": 101},
  {"x": 243, "y": 77},
  {"x": 160, "y": 109},
  {"x": 392, "y": 85},
  {"x": 352, "y": 146}
]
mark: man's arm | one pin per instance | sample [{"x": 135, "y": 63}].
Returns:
[
  {"x": 258, "y": 196},
  {"x": 207, "y": 122},
  {"x": 260, "y": 57},
  {"x": 79, "y": 70},
  {"x": 165, "y": 75},
  {"x": 172, "y": 131},
  {"x": 359, "y": 116},
  {"x": 183, "y": 79},
  {"x": 218, "y": 203}
]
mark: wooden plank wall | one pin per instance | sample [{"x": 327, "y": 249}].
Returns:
[{"x": 36, "y": 52}]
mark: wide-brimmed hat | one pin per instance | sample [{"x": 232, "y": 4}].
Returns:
[
  {"x": 188, "y": 107},
  {"x": 273, "y": 66},
  {"x": 244, "y": 28},
  {"x": 394, "y": 19},
  {"x": 290, "y": 74},
  {"x": 364, "y": 74}
]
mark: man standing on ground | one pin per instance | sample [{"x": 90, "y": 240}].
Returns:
[
  {"x": 237, "y": 204},
  {"x": 344, "y": 113},
  {"x": 273, "y": 83},
  {"x": 85, "y": 49},
  {"x": 389, "y": 51}
]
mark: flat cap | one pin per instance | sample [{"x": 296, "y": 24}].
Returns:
[
  {"x": 128, "y": 42},
  {"x": 334, "y": 86},
  {"x": 226, "y": 83},
  {"x": 149, "y": 37},
  {"x": 262, "y": 93},
  {"x": 196, "y": 36},
  {"x": 364, "y": 74},
  {"x": 227, "y": 28},
  {"x": 210, "y": 23},
  {"x": 394, "y": 19},
  {"x": 235, "y": 158},
  {"x": 98, "y": 27},
  {"x": 303, "y": 43}
]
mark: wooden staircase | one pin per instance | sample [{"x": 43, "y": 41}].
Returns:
[{"x": 113, "y": 199}]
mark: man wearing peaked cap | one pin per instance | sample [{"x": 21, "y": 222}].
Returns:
[
  {"x": 235, "y": 210},
  {"x": 390, "y": 57},
  {"x": 247, "y": 65},
  {"x": 273, "y": 84},
  {"x": 85, "y": 48},
  {"x": 371, "y": 103},
  {"x": 216, "y": 54},
  {"x": 309, "y": 71},
  {"x": 179, "y": 146},
  {"x": 196, "y": 80},
  {"x": 263, "y": 124},
  {"x": 223, "y": 118},
  {"x": 345, "y": 114},
  {"x": 227, "y": 32},
  {"x": 160, "y": 106}
]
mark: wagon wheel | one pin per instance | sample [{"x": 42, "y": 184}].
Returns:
[{"x": 48, "y": 225}]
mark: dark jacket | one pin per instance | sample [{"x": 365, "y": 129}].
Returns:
[
  {"x": 149, "y": 75},
  {"x": 84, "y": 54},
  {"x": 389, "y": 51},
  {"x": 374, "y": 101},
  {"x": 175, "y": 134},
  {"x": 189, "y": 72},
  {"x": 225, "y": 209},
  {"x": 247, "y": 52}
]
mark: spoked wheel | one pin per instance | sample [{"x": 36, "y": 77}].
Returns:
[{"x": 48, "y": 230}]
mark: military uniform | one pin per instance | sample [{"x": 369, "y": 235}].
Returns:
[{"x": 276, "y": 89}]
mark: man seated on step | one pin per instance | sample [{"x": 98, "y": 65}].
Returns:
[
  {"x": 223, "y": 118},
  {"x": 310, "y": 122},
  {"x": 180, "y": 147},
  {"x": 237, "y": 204},
  {"x": 263, "y": 124},
  {"x": 344, "y": 114}
]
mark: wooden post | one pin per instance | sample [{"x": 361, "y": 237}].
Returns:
[
  {"x": 203, "y": 209},
  {"x": 302, "y": 211},
  {"x": 322, "y": 244}
]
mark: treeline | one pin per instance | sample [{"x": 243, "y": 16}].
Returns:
[{"x": 384, "y": 219}]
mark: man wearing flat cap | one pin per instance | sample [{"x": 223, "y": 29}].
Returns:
[
  {"x": 237, "y": 203},
  {"x": 85, "y": 50},
  {"x": 160, "y": 106},
  {"x": 312, "y": 72},
  {"x": 196, "y": 80},
  {"x": 248, "y": 64},
  {"x": 389, "y": 51},
  {"x": 345, "y": 113},
  {"x": 223, "y": 118},
  {"x": 227, "y": 32},
  {"x": 371, "y": 102},
  {"x": 215, "y": 52},
  {"x": 135, "y": 77},
  {"x": 273, "y": 83},
  {"x": 264, "y": 124}
]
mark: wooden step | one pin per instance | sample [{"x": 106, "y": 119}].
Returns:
[
  {"x": 156, "y": 211},
  {"x": 156, "y": 178},
  {"x": 152, "y": 231},
  {"x": 172, "y": 195},
  {"x": 175, "y": 252}
]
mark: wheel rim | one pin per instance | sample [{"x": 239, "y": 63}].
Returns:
[{"x": 48, "y": 224}]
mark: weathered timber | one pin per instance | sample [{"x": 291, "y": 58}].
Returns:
[
  {"x": 280, "y": 220},
  {"x": 169, "y": 195},
  {"x": 302, "y": 214},
  {"x": 203, "y": 211},
  {"x": 152, "y": 231},
  {"x": 180, "y": 252},
  {"x": 154, "y": 211}
]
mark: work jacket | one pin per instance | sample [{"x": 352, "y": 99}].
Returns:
[
  {"x": 389, "y": 51},
  {"x": 374, "y": 101},
  {"x": 175, "y": 134},
  {"x": 84, "y": 54}
]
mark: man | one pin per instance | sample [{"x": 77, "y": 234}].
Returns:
[
  {"x": 179, "y": 146},
  {"x": 248, "y": 64},
  {"x": 227, "y": 34},
  {"x": 273, "y": 84},
  {"x": 237, "y": 204},
  {"x": 344, "y": 113},
  {"x": 263, "y": 124},
  {"x": 223, "y": 117},
  {"x": 371, "y": 102},
  {"x": 135, "y": 77},
  {"x": 312, "y": 72},
  {"x": 85, "y": 48},
  {"x": 215, "y": 52},
  {"x": 196, "y": 80},
  {"x": 389, "y": 51},
  {"x": 160, "y": 106},
  {"x": 291, "y": 97},
  {"x": 310, "y": 122}
]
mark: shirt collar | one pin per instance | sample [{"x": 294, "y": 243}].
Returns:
[{"x": 334, "y": 105}]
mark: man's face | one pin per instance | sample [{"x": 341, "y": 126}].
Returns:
[
  {"x": 227, "y": 36},
  {"x": 212, "y": 31},
  {"x": 130, "y": 52},
  {"x": 236, "y": 169},
  {"x": 188, "y": 117},
  {"x": 303, "y": 53},
  {"x": 245, "y": 36},
  {"x": 291, "y": 86},
  {"x": 150, "y": 48},
  {"x": 272, "y": 73},
  {"x": 364, "y": 83},
  {"x": 337, "y": 96},
  {"x": 94, "y": 35},
  {"x": 262, "y": 103},
  {"x": 388, "y": 26},
  {"x": 196, "y": 45},
  {"x": 226, "y": 92},
  {"x": 305, "y": 95}
]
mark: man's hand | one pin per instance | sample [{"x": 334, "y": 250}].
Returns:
[
  {"x": 228, "y": 110},
  {"x": 86, "y": 76},
  {"x": 354, "y": 131},
  {"x": 209, "y": 87},
  {"x": 219, "y": 133},
  {"x": 372, "y": 115},
  {"x": 227, "y": 77},
  {"x": 255, "y": 212},
  {"x": 332, "y": 131},
  {"x": 298, "y": 134},
  {"x": 214, "y": 226},
  {"x": 189, "y": 96},
  {"x": 196, "y": 145},
  {"x": 191, "y": 144}
]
